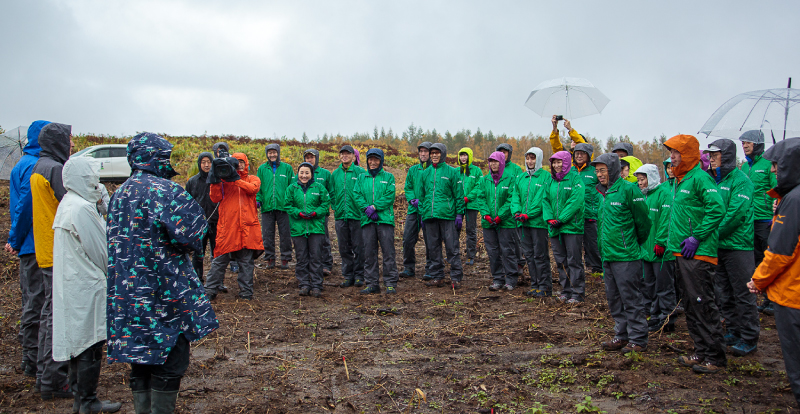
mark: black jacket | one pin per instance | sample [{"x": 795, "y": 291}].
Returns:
[{"x": 199, "y": 190}]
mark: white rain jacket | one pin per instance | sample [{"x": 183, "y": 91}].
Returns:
[{"x": 80, "y": 260}]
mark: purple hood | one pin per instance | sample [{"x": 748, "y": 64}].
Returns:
[
  {"x": 566, "y": 159},
  {"x": 501, "y": 158}
]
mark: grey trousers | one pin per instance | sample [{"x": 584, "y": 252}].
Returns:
[
  {"x": 702, "y": 315},
  {"x": 32, "y": 287},
  {"x": 623, "y": 282},
  {"x": 309, "y": 254},
  {"x": 471, "y": 225},
  {"x": 351, "y": 248},
  {"x": 590, "y": 250},
  {"x": 444, "y": 231},
  {"x": 568, "y": 256},
  {"x": 268, "y": 222},
  {"x": 502, "y": 252},
  {"x": 658, "y": 288},
  {"x": 53, "y": 373},
  {"x": 519, "y": 257},
  {"x": 536, "y": 249},
  {"x": 374, "y": 234},
  {"x": 410, "y": 237},
  {"x": 216, "y": 275},
  {"x": 327, "y": 256},
  {"x": 787, "y": 320},
  {"x": 736, "y": 304}
]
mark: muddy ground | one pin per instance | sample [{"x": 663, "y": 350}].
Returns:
[{"x": 424, "y": 350}]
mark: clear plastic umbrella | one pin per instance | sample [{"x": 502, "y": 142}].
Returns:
[
  {"x": 11, "y": 144},
  {"x": 769, "y": 111},
  {"x": 570, "y": 97}
]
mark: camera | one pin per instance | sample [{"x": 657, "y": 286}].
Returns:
[
  {"x": 223, "y": 168},
  {"x": 559, "y": 118}
]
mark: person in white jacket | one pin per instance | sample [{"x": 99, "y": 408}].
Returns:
[{"x": 80, "y": 261}]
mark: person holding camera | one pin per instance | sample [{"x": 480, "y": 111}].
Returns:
[
  {"x": 374, "y": 194},
  {"x": 308, "y": 203},
  {"x": 156, "y": 303},
  {"x": 348, "y": 218},
  {"x": 275, "y": 177},
  {"x": 238, "y": 236}
]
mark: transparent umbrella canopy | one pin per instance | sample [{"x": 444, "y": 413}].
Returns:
[
  {"x": 570, "y": 97},
  {"x": 772, "y": 111},
  {"x": 11, "y": 144}
]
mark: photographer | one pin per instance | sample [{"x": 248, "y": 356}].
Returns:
[{"x": 238, "y": 236}]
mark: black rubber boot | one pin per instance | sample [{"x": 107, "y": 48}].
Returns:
[
  {"x": 140, "y": 387},
  {"x": 88, "y": 364},
  {"x": 164, "y": 395}
]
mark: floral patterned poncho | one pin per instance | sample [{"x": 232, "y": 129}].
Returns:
[{"x": 154, "y": 295}]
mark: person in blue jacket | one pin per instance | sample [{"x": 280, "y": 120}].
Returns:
[{"x": 20, "y": 242}]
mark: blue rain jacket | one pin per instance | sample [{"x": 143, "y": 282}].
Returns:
[{"x": 20, "y": 236}]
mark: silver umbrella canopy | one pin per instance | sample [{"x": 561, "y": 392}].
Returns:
[
  {"x": 11, "y": 144},
  {"x": 570, "y": 97},
  {"x": 770, "y": 111}
]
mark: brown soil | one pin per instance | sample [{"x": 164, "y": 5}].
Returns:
[{"x": 422, "y": 350}]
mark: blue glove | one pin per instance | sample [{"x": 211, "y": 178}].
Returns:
[
  {"x": 421, "y": 225},
  {"x": 369, "y": 211},
  {"x": 258, "y": 205},
  {"x": 689, "y": 247},
  {"x": 414, "y": 202},
  {"x": 459, "y": 221}
]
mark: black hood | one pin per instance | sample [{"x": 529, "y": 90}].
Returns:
[
  {"x": 315, "y": 153},
  {"x": 587, "y": 148},
  {"x": 625, "y": 146},
  {"x": 275, "y": 147},
  {"x": 54, "y": 140},
  {"x": 757, "y": 138},
  {"x": 375, "y": 152},
  {"x": 427, "y": 146},
  {"x": 785, "y": 153},
  {"x": 210, "y": 156},
  {"x": 611, "y": 160},
  {"x": 216, "y": 147},
  {"x": 728, "y": 150},
  {"x": 508, "y": 148},
  {"x": 443, "y": 149}
]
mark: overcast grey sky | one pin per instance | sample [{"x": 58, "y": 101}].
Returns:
[{"x": 283, "y": 68}]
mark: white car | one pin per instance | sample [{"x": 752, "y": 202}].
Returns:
[{"x": 113, "y": 161}]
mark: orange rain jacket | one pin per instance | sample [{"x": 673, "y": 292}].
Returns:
[{"x": 238, "y": 226}]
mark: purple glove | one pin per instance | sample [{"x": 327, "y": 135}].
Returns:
[
  {"x": 258, "y": 205},
  {"x": 459, "y": 221},
  {"x": 689, "y": 247},
  {"x": 369, "y": 211},
  {"x": 414, "y": 202},
  {"x": 373, "y": 216},
  {"x": 421, "y": 224}
]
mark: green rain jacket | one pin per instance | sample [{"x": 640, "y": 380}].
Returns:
[
  {"x": 313, "y": 199},
  {"x": 273, "y": 185},
  {"x": 736, "y": 231},
  {"x": 498, "y": 198},
  {"x": 659, "y": 203},
  {"x": 470, "y": 179},
  {"x": 564, "y": 199},
  {"x": 697, "y": 208},
  {"x": 376, "y": 191},
  {"x": 529, "y": 192},
  {"x": 344, "y": 203},
  {"x": 593, "y": 198},
  {"x": 414, "y": 184},
  {"x": 441, "y": 195},
  {"x": 759, "y": 172},
  {"x": 624, "y": 218}
]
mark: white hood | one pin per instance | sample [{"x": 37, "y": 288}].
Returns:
[
  {"x": 539, "y": 155},
  {"x": 653, "y": 176}
]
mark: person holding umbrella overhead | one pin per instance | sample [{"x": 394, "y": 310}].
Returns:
[
  {"x": 757, "y": 169},
  {"x": 582, "y": 154},
  {"x": 697, "y": 211}
]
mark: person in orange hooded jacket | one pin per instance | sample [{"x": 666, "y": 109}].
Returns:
[
  {"x": 238, "y": 231},
  {"x": 779, "y": 273}
]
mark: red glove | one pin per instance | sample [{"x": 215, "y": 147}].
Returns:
[
  {"x": 313, "y": 214},
  {"x": 466, "y": 200},
  {"x": 552, "y": 222},
  {"x": 523, "y": 217},
  {"x": 497, "y": 220},
  {"x": 488, "y": 218},
  {"x": 302, "y": 215},
  {"x": 659, "y": 250}
]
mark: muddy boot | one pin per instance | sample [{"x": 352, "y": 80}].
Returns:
[
  {"x": 141, "y": 395},
  {"x": 89, "y": 363},
  {"x": 164, "y": 394}
]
